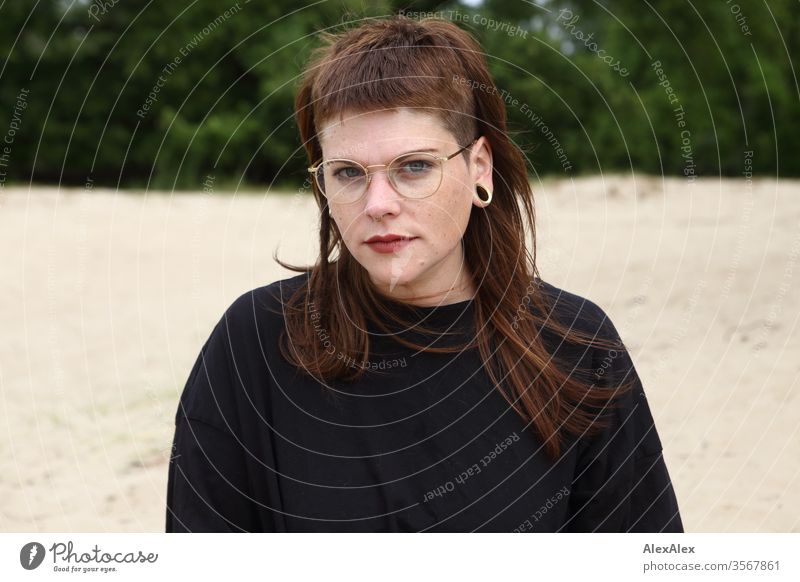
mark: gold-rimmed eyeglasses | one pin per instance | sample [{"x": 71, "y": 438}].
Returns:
[{"x": 412, "y": 175}]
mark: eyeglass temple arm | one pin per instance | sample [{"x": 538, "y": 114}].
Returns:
[{"x": 470, "y": 144}]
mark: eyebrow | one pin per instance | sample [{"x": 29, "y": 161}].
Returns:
[{"x": 414, "y": 151}]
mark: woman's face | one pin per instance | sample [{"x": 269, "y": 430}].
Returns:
[{"x": 429, "y": 268}]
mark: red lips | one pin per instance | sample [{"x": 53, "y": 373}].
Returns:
[
  {"x": 389, "y": 243},
  {"x": 387, "y": 238}
]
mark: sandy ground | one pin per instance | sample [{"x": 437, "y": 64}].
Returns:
[{"x": 107, "y": 298}]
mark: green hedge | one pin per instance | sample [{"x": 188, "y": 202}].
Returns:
[{"x": 163, "y": 95}]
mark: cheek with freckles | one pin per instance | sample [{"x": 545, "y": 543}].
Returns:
[
  {"x": 345, "y": 223},
  {"x": 448, "y": 218}
]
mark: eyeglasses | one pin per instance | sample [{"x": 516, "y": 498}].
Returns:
[{"x": 413, "y": 175}]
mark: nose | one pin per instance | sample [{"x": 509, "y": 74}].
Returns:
[{"x": 381, "y": 198}]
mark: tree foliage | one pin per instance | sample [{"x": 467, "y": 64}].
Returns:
[{"x": 163, "y": 94}]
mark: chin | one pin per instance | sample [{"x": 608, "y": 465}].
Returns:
[{"x": 388, "y": 279}]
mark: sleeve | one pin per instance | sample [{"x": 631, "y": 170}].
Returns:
[
  {"x": 207, "y": 486},
  {"x": 621, "y": 482}
]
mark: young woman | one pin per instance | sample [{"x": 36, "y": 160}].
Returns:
[{"x": 420, "y": 376}]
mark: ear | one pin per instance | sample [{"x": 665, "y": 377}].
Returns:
[{"x": 480, "y": 167}]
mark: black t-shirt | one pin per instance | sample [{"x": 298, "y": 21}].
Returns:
[{"x": 423, "y": 442}]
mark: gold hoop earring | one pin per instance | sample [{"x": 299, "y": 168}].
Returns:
[{"x": 478, "y": 196}]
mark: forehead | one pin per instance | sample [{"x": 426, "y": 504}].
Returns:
[{"x": 381, "y": 133}]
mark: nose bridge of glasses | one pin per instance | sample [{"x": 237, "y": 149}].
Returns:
[
  {"x": 387, "y": 169},
  {"x": 388, "y": 176},
  {"x": 369, "y": 171}
]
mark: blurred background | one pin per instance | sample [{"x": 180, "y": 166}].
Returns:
[
  {"x": 224, "y": 76},
  {"x": 150, "y": 168}
]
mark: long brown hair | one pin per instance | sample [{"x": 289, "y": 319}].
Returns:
[{"x": 433, "y": 65}]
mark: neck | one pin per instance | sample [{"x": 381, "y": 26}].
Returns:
[{"x": 461, "y": 290}]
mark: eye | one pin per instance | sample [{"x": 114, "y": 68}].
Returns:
[
  {"x": 415, "y": 166},
  {"x": 348, "y": 172}
]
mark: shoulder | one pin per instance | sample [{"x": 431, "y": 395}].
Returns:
[
  {"x": 263, "y": 305},
  {"x": 576, "y": 312},
  {"x": 609, "y": 366},
  {"x": 240, "y": 335},
  {"x": 587, "y": 342}
]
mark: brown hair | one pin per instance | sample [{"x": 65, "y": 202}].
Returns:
[{"x": 401, "y": 62}]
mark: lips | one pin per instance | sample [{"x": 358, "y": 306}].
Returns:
[
  {"x": 389, "y": 243},
  {"x": 388, "y": 238}
]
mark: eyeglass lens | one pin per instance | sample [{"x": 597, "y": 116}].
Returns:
[{"x": 415, "y": 175}]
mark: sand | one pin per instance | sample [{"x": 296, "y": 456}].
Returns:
[{"x": 107, "y": 298}]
